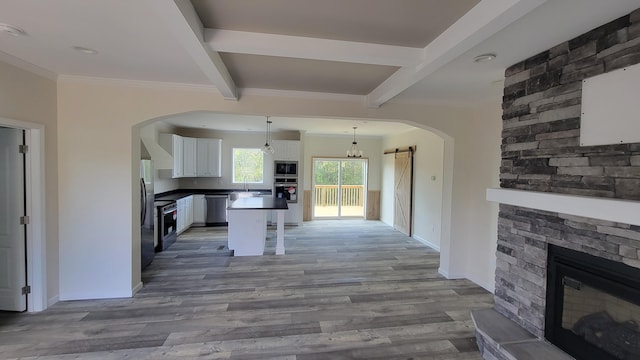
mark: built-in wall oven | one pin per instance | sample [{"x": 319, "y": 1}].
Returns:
[
  {"x": 286, "y": 188},
  {"x": 167, "y": 212},
  {"x": 285, "y": 182}
]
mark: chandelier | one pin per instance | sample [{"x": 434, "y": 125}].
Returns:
[
  {"x": 267, "y": 148},
  {"x": 353, "y": 151}
]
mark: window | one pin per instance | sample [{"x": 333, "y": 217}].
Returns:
[{"x": 248, "y": 166}]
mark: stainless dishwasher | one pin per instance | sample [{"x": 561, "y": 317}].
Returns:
[{"x": 216, "y": 210}]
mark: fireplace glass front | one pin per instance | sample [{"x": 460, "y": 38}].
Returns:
[{"x": 593, "y": 307}]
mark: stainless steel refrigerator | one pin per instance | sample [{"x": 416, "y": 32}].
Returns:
[{"x": 147, "y": 235}]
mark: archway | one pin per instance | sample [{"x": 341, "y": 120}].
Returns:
[{"x": 446, "y": 205}]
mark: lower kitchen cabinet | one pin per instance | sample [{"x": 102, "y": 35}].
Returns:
[
  {"x": 291, "y": 216},
  {"x": 185, "y": 213}
]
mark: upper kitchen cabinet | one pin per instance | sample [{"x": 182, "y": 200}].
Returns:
[
  {"x": 286, "y": 150},
  {"x": 174, "y": 145},
  {"x": 193, "y": 157},
  {"x": 189, "y": 156},
  {"x": 208, "y": 155}
]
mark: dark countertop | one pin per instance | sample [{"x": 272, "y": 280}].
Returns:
[
  {"x": 179, "y": 194},
  {"x": 259, "y": 203},
  {"x": 161, "y": 203}
]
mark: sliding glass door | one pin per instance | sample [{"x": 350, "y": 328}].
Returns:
[{"x": 339, "y": 188}]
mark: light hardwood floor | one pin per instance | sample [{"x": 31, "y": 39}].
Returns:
[{"x": 344, "y": 290}]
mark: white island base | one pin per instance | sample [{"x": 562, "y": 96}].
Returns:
[{"x": 248, "y": 229}]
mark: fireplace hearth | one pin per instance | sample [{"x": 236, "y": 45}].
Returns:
[{"x": 593, "y": 306}]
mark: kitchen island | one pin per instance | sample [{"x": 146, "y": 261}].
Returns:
[{"x": 247, "y": 218}]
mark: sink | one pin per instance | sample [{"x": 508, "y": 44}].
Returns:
[{"x": 243, "y": 194}]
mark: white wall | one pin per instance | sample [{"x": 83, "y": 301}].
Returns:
[
  {"x": 230, "y": 140},
  {"x": 483, "y": 172},
  {"x": 162, "y": 160},
  {"x": 98, "y": 125},
  {"x": 31, "y": 98},
  {"x": 428, "y": 167}
]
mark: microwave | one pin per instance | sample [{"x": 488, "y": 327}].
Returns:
[{"x": 286, "y": 168}]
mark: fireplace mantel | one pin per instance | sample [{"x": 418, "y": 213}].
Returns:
[{"x": 616, "y": 210}]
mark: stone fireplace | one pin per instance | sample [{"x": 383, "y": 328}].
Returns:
[
  {"x": 593, "y": 305},
  {"x": 543, "y": 169}
]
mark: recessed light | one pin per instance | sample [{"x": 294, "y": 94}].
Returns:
[
  {"x": 12, "y": 30},
  {"x": 85, "y": 50},
  {"x": 484, "y": 58}
]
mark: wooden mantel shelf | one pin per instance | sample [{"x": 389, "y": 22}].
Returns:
[{"x": 621, "y": 211}]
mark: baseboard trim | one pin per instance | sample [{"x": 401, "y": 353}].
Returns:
[
  {"x": 426, "y": 242},
  {"x": 53, "y": 300},
  {"x": 451, "y": 276},
  {"x": 489, "y": 287},
  {"x": 136, "y": 288}
]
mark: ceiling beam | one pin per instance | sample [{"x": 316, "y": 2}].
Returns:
[
  {"x": 300, "y": 47},
  {"x": 481, "y": 22},
  {"x": 187, "y": 28}
]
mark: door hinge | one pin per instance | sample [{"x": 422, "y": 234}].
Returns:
[
  {"x": 26, "y": 290},
  {"x": 24, "y": 220},
  {"x": 23, "y": 149}
]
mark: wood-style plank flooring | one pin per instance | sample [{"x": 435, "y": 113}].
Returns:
[{"x": 344, "y": 290}]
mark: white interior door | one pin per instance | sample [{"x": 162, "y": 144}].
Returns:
[{"x": 12, "y": 235}]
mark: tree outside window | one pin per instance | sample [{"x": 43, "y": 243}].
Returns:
[{"x": 248, "y": 166}]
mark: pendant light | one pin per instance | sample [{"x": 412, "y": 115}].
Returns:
[
  {"x": 267, "y": 148},
  {"x": 353, "y": 151}
]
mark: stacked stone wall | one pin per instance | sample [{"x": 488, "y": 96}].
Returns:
[
  {"x": 541, "y": 152},
  {"x": 541, "y": 118},
  {"x": 523, "y": 238}
]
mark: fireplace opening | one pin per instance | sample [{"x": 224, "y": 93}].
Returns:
[{"x": 593, "y": 306}]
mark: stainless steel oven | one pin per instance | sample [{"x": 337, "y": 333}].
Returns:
[
  {"x": 167, "y": 224},
  {"x": 286, "y": 188}
]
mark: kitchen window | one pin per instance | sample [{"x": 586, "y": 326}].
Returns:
[{"x": 248, "y": 166}]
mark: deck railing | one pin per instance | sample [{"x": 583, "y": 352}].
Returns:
[{"x": 327, "y": 195}]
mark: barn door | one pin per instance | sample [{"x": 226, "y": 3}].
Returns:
[{"x": 403, "y": 185}]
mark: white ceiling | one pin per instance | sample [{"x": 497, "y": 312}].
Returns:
[{"x": 409, "y": 51}]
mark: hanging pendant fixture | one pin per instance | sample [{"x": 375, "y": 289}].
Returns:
[
  {"x": 353, "y": 151},
  {"x": 267, "y": 148}
]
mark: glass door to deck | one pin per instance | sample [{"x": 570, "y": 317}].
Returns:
[{"x": 339, "y": 188}]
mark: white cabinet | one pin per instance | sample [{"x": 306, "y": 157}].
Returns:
[
  {"x": 185, "y": 213},
  {"x": 208, "y": 154},
  {"x": 286, "y": 150},
  {"x": 291, "y": 216},
  {"x": 189, "y": 156},
  {"x": 173, "y": 144},
  {"x": 193, "y": 157},
  {"x": 189, "y": 211},
  {"x": 199, "y": 212},
  {"x": 289, "y": 150}
]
